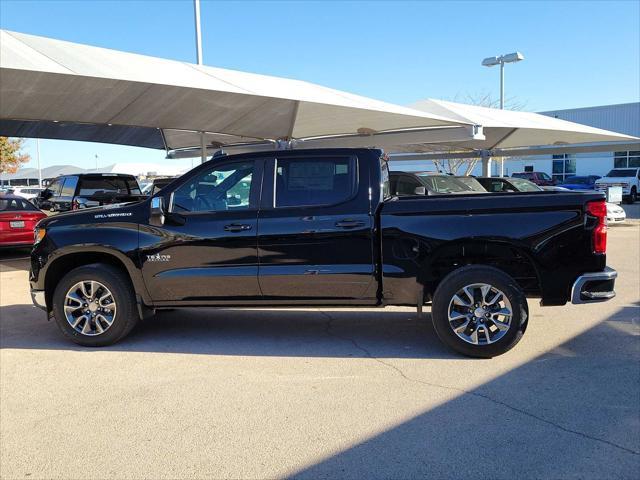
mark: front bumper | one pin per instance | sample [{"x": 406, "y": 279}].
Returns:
[
  {"x": 38, "y": 299},
  {"x": 594, "y": 287}
]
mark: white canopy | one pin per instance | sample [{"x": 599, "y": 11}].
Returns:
[
  {"x": 56, "y": 89},
  {"x": 505, "y": 129}
]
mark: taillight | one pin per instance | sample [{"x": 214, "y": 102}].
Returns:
[{"x": 598, "y": 209}]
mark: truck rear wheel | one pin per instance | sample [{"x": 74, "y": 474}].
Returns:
[
  {"x": 479, "y": 311},
  {"x": 94, "y": 305}
]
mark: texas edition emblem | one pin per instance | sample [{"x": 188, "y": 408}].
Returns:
[{"x": 158, "y": 258}]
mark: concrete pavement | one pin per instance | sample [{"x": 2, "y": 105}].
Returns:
[{"x": 323, "y": 394}]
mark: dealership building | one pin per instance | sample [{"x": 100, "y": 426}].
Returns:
[{"x": 622, "y": 118}]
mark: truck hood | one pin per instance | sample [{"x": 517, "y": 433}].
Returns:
[{"x": 108, "y": 213}]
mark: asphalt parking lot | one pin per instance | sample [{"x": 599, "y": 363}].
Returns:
[{"x": 323, "y": 394}]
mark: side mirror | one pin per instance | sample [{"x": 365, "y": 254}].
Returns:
[
  {"x": 157, "y": 211},
  {"x": 420, "y": 191}
]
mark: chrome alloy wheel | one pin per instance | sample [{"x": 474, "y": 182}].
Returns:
[
  {"x": 90, "y": 308},
  {"x": 480, "y": 314}
]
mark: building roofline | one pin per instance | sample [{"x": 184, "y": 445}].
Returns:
[{"x": 595, "y": 107}]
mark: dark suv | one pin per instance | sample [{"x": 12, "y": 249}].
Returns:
[{"x": 72, "y": 192}]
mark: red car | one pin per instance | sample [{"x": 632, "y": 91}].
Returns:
[{"x": 18, "y": 218}]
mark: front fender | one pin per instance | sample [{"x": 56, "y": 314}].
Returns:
[{"x": 111, "y": 242}]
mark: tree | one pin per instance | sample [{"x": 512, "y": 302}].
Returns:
[
  {"x": 10, "y": 156},
  {"x": 464, "y": 166}
]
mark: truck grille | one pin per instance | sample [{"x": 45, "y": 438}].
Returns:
[{"x": 603, "y": 187}]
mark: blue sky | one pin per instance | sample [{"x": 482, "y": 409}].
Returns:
[{"x": 576, "y": 53}]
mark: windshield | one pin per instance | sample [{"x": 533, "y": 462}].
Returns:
[
  {"x": 523, "y": 185},
  {"x": 522, "y": 175},
  {"x": 444, "y": 184},
  {"x": 472, "y": 183},
  {"x": 622, "y": 172}
]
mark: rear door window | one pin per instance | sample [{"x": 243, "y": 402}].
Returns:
[{"x": 314, "y": 181}]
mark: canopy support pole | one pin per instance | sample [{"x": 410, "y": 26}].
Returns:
[
  {"x": 486, "y": 163},
  {"x": 203, "y": 148}
]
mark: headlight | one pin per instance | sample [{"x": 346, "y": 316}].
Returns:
[{"x": 38, "y": 235}]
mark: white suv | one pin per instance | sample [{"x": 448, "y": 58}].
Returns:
[{"x": 627, "y": 178}]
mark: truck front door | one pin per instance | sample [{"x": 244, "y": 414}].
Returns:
[
  {"x": 315, "y": 231},
  {"x": 206, "y": 250}
]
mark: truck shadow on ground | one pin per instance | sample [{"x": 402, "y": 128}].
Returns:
[
  {"x": 249, "y": 332},
  {"x": 572, "y": 412}
]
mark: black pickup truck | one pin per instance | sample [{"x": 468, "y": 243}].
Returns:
[
  {"x": 320, "y": 228},
  {"x": 85, "y": 190}
]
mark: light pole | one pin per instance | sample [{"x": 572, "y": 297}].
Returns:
[
  {"x": 501, "y": 60},
  {"x": 196, "y": 12},
  {"x": 38, "y": 158}
]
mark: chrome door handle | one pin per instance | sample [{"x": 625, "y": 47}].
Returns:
[
  {"x": 237, "y": 227},
  {"x": 349, "y": 224}
]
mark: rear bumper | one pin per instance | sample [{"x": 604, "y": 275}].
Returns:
[{"x": 594, "y": 287}]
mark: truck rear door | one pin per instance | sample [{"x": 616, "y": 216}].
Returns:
[{"x": 315, "y": 230}]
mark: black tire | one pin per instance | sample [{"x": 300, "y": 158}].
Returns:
[
  {"x": 633, "y": 196},
  {"x": 470, "y": 275},
  {"x": 118, "y": 283}
]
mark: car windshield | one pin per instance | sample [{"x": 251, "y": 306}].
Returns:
[
  {"x": 576, "y": 180},
  {"x": 622, "y": 172},
  {"x": 472, "y": 183},
  {"x": 522, "y": 175},
  {"x": 523, "y": 185},
  {"x": 444, "y": 184}
]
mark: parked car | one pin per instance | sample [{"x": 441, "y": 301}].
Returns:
[
  {"x": 18, "y": 218},
  {"x": 587, "y": 182},
  {"x": 73, "y": 192},
  {"x": 508, "y": 184},
  {"x": 615, "y": 213},
  {"x": 539, "y": 178},
  {"x": 627, "y": 178},
  {"x": 426, "y": 183},
  {"x": 317, "y": 228},
  {"x": 30, "y": 193}
]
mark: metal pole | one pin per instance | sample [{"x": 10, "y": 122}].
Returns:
[
  {"x": 501, "y": 159},
  {"x": 38, "y": 159},
  {"x": 502, "y": 85},
  {"x": 196, "y": 8},
  {"x": 486, "y": 163},
  {"x": 203, "y": 148}
]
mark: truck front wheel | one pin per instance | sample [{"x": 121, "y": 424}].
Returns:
[
  {"x": 479, "y": 311},
  {"x": 94, "y": 305}
]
